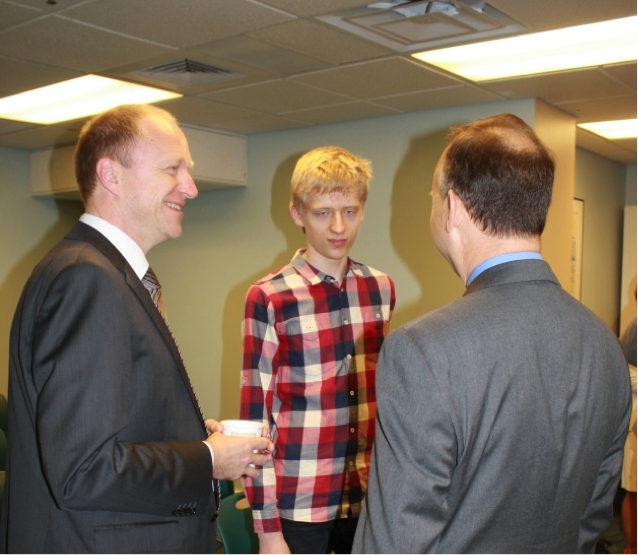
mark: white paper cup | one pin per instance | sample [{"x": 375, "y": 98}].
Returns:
[{"x": 242, "y": 428}]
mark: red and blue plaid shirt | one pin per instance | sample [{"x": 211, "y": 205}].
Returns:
[{"x": 310, "y": 355}]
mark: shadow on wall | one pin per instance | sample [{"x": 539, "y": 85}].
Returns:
[
  {"x": 410, "y": 234},
  {"x": 234, "y": 306},
  {"x": 628, "y": 302},
  {"x": 11, "y": 288}
]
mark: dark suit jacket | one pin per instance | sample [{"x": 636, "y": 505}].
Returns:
[
  {"x": 501, "y": 424},
  {"x": 105, "y": 436}
]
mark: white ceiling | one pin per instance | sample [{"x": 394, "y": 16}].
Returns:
[{"x": 290, "y": 65}]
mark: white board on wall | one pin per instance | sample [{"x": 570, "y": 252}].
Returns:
[{"x": 628, "y": 282}]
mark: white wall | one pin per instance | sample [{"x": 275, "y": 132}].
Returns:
[
  {"x": 234, "y": 236},
  {"x": 29, "y": 228},
  {"x": 600, "y": 182}
]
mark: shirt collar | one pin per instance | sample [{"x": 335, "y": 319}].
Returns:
[
  {"x": 129, "y": 249},
  {"x": 315, "y": 276},
  {"x": 502, "y": 259}
]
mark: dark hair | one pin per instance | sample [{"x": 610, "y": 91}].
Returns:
[
  {"x": 503, "y": 174},
  {"x": 111, "y": 134}
]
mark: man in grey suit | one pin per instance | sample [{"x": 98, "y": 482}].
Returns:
[
  {"x": 108, "y": 450},
  {"x": 502, "y": 416}
]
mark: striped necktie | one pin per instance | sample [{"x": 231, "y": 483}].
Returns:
[{"x": 151, "y": 283}]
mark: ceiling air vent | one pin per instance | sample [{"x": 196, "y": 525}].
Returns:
[
  {"x": 411, "y": 25},
  {"x": 188, "y": 73}
]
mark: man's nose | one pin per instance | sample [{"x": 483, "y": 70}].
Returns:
[
  {"x": 187, "y": 186},
  {"x": 337, "y": 223}
]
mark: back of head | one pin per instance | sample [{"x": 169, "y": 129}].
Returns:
[
  {"x": 503, "y": 174},
  {"x": 329, "y": 169},
  {"x": 111, "y": 134}
]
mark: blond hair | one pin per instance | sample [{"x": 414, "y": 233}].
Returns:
[{"x": 329, "y": 169}]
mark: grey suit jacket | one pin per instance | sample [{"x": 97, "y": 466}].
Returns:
[
  {"x": 105, "y": 437},
  {"x": 501, "y": 423}
]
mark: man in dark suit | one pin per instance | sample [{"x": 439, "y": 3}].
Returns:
[
  {"x": 502, "y": 416},
  {"x": 108, "y": 450}
]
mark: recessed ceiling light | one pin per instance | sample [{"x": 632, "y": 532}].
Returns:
[
  {"x": 594, "y": 44},
  {"x": 620, "y": 129},
  {"x": 77, "y": 98}
]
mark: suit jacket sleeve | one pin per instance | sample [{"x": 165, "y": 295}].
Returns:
[
  {"x": 84, "y": 371},
  {"x": 598, "y": 512},
  {"x": 406, "y": 511}
]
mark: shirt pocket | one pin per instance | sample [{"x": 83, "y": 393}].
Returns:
[{"x": 308, "y": 344}]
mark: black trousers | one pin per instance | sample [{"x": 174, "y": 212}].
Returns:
[{"x": 319, "y": 537}]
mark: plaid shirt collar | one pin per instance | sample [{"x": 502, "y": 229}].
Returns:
[{"x": 315, "y": 276}]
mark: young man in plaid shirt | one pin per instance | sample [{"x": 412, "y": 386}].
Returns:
[{"x": 312, "y": 334}]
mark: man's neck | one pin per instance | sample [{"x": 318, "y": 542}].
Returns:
[
  {"x": 478, "y": 252},
  {"x": 333, "y": 268}
]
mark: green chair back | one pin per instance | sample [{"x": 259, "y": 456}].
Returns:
[
  {"x": 226, "y": 488},
  {"x": 4, "y": 413},
  {"x": 3, "y": 445},
  {"x": 235, "y": 525},
  {"x": 3, "y": 451}
]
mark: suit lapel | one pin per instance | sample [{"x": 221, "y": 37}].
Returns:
[{"x": 83, "y": 232}]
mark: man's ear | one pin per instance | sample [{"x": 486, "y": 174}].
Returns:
[
  {"x": 456, "y": 211},
  {"x": 295, "y": 215},
  {"x": 107, "y": 173}
]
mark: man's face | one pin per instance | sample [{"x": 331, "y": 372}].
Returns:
[
  {"x": 331, "y": 222},
  {"x": 156, "y": 185}
]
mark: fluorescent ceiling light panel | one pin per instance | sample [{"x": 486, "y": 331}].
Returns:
[
  {"x": 620, "y": 129},
  {"x": 594, "y": 44},
  {"x": 77, "y": 98}
]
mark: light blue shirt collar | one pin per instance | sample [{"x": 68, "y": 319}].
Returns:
[
  {"x": 122, "y": 242},
  {"x": 501, "y": 259}
]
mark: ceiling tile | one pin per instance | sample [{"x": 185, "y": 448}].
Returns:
[
  {"x": 541, "y": 15},
  {"x": 277, "y": 97},
  {"x": 45, "y": 7},
  {"x": 256, "y": 53},
  {"x": 11, "y": 126},
  {"x": 625, "y": 73},
  {"x": 342, "y": 112},
  {"x": 604, "y": 109},
  {"x": 566, "y": 86},
  {"x": 616, "y": 150},
  {"x": 321, "y": 42},
  {"x": 12, "y": 14},
  {"x": 629, "y": 144},
  {"x": 316, "y": 7},
  {"x": 61, "y": 42},
  {"x": 198, "y": 111},
  {"x": 242, "y": 74},
  {"x": 386, "y": 77},
  {"x": 260, "y": 124},
  {"x": 17, "y": 76},
  {"x": 180, "y": 24},
  {"x": 462, "y": 95},
  {"x": 39, "y": 137},
  {"x": 285, "y": 59}
]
